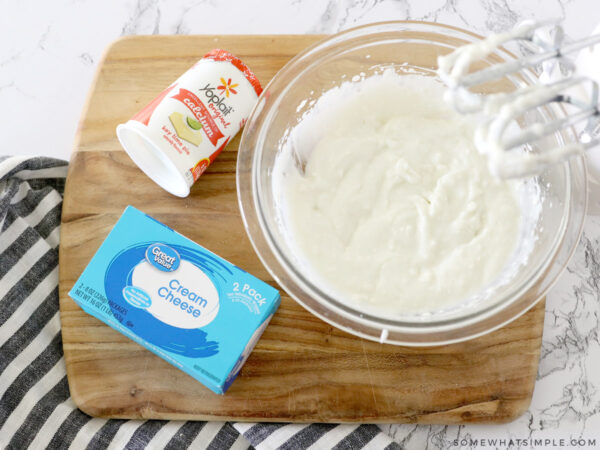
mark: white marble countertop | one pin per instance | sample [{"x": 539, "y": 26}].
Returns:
[{"x": 48, "y": 55}]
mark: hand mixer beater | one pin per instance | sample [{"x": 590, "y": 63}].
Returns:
[{"x": 508, "y": 146}]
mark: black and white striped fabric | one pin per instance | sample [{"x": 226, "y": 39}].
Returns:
[{"x": 36, "y": 410}]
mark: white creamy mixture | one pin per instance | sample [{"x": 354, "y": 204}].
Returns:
[{"x": 396, "y": 211}]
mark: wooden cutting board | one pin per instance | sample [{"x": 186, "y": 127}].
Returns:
[{"x": 302, "y": 370}]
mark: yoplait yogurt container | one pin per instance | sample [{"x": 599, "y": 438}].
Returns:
[{"x": 181, "y": 132}]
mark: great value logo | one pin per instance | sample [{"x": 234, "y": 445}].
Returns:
[{"x": 163, "y": 257}]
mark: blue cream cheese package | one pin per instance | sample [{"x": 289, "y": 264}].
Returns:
[{"x": 189, "y": 306}]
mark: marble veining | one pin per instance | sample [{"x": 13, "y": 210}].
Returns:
[{"x": 49, "y": 52}]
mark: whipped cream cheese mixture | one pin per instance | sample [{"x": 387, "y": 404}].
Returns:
[{"x": 395, "y": 211}]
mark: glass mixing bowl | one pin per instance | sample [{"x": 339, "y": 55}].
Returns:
[{"x": 407, "y": 47}]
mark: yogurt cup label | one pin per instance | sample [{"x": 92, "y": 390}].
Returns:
[{"x": 181, "y": 132}]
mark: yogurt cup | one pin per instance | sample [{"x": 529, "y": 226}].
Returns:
[{"x": 179, "y": 133}]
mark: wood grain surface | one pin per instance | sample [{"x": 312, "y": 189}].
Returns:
[{"x": 302, "y": 370}]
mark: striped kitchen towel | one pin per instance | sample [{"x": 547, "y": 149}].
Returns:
[{"x": 36, "y": 410}]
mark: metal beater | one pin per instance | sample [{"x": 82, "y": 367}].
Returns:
[{"x": 505, "y": 144}]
